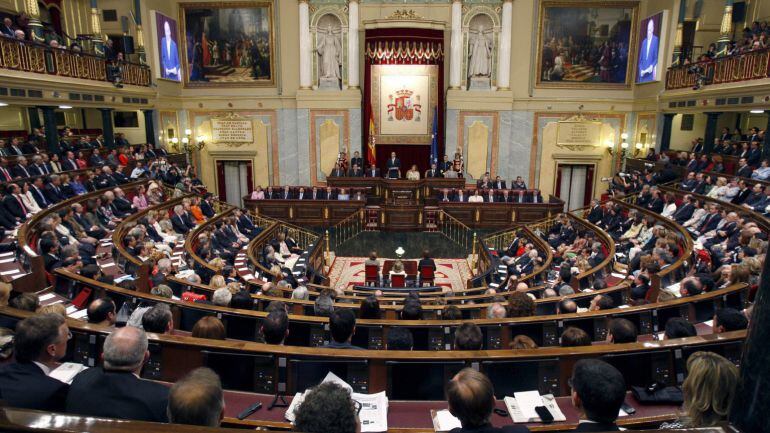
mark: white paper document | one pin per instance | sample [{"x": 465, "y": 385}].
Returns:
[
  {"x": 444, "y": 421},
  {"x": 522, "y": 406},
  {"x": 46, "y": 297},
  {"x": 374, "y": 407},
  {"x": 67, "y": 371}
]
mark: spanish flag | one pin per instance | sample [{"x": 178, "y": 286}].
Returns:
[{"x": 371, "y": 155}]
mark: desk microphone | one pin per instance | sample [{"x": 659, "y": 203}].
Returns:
[{"x": 250, "y": 410}]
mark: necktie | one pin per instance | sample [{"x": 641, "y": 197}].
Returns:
[
  {"x": 6, "y": 174},
  {"x": 23, "y": 208},
  {"x": 42, "y": 196}
]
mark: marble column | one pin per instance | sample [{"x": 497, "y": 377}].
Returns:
[
  {"x": 749, "y": 409},
  {"x": 139, "y": 35},
  {"x": 109, "y": 135},
  {"x": 711, "y": 131},
  {"x": 34, "y": 118},
  {"x": 504, "y": 50},
  {"x": 51, "y": 134},
  {"x": 726, "y": 29},
  {"x": 149, "y": 127},
  {"x": 456, "y": 53},
  {"x": 353, "y": 44},
  {"x": 304, "y": 45},
  {"x": 677, "y": 58},
  {"x": 665, "y": 136},
  {"x": 96, "y": 29}
]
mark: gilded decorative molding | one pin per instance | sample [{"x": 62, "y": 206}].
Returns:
[{"x": 404, "y": 15}]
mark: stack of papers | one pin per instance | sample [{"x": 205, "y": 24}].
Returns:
[
  {"x": 522, "y": 406},
  {"x": 374, "y": 407},
  {"x": 67, "y": 372},
  {"x": 444, "y": 421}
]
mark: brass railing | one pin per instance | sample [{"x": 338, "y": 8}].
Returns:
[
  {"x": 454, "y": 230},
  {"x": 752, "y": 65},
  {"x": 346, "y": 229},
  {"x": 40, "y": 59}
]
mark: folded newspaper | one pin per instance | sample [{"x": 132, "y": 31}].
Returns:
[
  {"x": 522, "y": 406},
  {"x": 374, "y": 407}
]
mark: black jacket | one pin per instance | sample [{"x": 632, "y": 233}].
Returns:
[
  {"x": 490, "y": 429},
  {"x": 117, "y": 394},
  {"x": 24, "y": 385},
  {"x": 595, "y": 427}
]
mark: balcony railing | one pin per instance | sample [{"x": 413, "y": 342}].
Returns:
[
  {"x": 41, "y": 59},
  {"x": 753, "y": 65}
]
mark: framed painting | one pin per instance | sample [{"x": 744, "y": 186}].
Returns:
[
  {"x": 649, "y": 67},
  {"x": 586, "y": 44},
  {"x": 228, "y": 44}
]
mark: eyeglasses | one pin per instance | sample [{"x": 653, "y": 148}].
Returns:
[{"x": 357, "y": 405}]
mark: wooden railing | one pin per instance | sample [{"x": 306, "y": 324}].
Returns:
[
  {"x": 41, "y": 59},
  {"x": 346, "y": 229},
  {"x": 752, "y": 65}
]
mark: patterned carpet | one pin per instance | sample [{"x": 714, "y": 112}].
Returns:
[{"x": 450, "y": 273}]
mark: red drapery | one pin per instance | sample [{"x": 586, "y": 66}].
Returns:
[{"x": 409, "y": 154}]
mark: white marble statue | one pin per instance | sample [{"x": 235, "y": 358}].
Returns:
[
  {"x": 480, "y": 53},
  {"x": 329, "y": 50}
]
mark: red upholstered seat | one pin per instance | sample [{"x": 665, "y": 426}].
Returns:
[
  {"x": 427, "y": 274},
  {"x": 398, "y": 281},
  {"x": 372, "y": 274}
]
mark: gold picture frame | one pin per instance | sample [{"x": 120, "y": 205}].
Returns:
[
  {"x": 192, "y": 76},
  {"x": 589, "y": 70},
  {"x": 426, "y": 105}
]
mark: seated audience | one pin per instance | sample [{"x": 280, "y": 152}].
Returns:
[
  {"x": 598, "y": 391},
  {"x": 678, "y": 327},
  {"x": 400, "y": 338},
  {"x": 471, "y": 399},
  {"x": 342, "y": 326},
  {"x": 102, "y": 311},
  {"x": 621, "y": 331},
  {"x": 327, "y": 408},
  {"x": 709, "y": 389},
  {"x": 468, "y": 336},
  {"x": 573, "y": 337},
  {"x": 729, "y": 319},
  {"x": 197, "y": 399},
  {"x": 115, "y": 390},
  {"x": 209, "y": 327},
  {"x": 39, "y": 345},
  {"x": 275, "y": 327},
  {"x": 158, "y": 320}
]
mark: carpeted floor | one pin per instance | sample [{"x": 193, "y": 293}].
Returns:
[{"x": 349, "y": 271}]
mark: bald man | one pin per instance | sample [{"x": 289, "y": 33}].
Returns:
[{"x": 115, "y": 389}]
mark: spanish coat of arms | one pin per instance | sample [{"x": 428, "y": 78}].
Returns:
[{"x": 403, "y": 107}]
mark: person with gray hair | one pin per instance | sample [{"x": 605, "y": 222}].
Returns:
[
  {"x": 115, "y": 389},
  {"x": 158, "y": 319},
  {"x": 324, "y": 306},
  {"x": 300, "y": 293},
  {"x": 197, "y": 399},
  {"x": 496, "y": 311},
  {"x": 222, "y": 297}
]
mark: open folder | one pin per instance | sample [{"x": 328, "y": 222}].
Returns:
[
  {"x": 522, "y": 406},
  {"x": 374, "y": 407}
]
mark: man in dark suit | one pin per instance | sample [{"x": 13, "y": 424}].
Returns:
[
  {"x": 357, "y": 160},
  {"x": 432, "y": 171},
  {"x": 206, "y": 207},
  {"x": 498, "y": 183},
  {"x": 14, "y": 147},
  {"x": 337, "y": 171},
  {"x": 596, "y": 213},
  {"x": 36, "y": 188},
  {"x": 6, "y": 175},
  {"x": 754, "y": 135},
  {"x": 115, "y": 389},
  {"x": 68, "y": 163},
  {"x": 20, "y": 170},
  {"x": 13, "y": 204},
  {"x": 711, "y": 221},
  {"x": 598, "y": 391},
  {"x": 519, "y": 183},
  {"x": 40, "y": 342},
  {"x": 53, "y": 191},
  {"x": 394, "y": 166},
  {"x": 460, "y": 196},
  {"x": 286, "y": 194},
  {"x": 743, "y": 193},
  {"x": 471, "y": 399},
  {"x": 355, "y": 171},
  {"x": 301, "y": 194},
  {"x": 372, "y": 171},
  {"x": 685, "y": 211},
  {"x": 743, "y": 168},
  {"x": 178, "y": 221},
  {"x": 315, "y": 194},
  {"x": 755, "y": 154},
  {"x": 688, "y": 184}
]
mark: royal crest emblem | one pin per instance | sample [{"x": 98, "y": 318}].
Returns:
[{"x": 403, "y": 107}]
